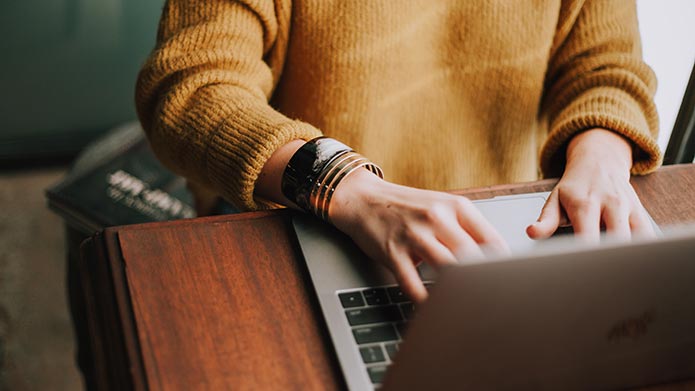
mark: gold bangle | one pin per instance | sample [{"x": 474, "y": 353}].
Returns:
[
  {"x": 323, "y": 179},
  {"x": 331, "y": 176},
  {"x": 366, "y": 164},
  {"x": 336, "y": 176},
  {"x": 314, "y": 174}
]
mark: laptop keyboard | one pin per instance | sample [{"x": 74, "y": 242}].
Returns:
[{"x": 378, "y": 318}]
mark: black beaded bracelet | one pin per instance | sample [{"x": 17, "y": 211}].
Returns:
[{"x": 316, "y": 169}]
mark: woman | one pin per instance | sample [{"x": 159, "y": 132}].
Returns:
[{"x": 440, "y": 95}]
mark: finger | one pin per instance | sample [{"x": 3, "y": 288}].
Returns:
[
  {"x": 458, "y": 241},
  {"x": 549, "y": 219},
  {"x": 408, "y": 278},
  {"x": 433, "y": 252},
  {"x": 617, "y": 221},
  {"x": 480, "y": 230},
  {"x": 640, "y": 223},
  {"x": 585, "y": 216},
  {"x": 468, "y": 250}
]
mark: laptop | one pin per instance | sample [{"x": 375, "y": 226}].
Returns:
[
  {"x": 368, "y": 316},
  {"x": 614, "y": 316}
]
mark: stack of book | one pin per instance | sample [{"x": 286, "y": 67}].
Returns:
[{"x": 117, "y": 181}]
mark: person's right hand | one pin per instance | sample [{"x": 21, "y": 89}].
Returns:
[{"x": 403, "y": 226}]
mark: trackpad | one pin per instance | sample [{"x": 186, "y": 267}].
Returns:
[{"x": 511, "y": 215}]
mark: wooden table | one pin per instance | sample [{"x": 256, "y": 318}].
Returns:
[{"x": 224, "y": 302}]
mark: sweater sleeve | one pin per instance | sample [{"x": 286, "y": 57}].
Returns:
[
  {"x": 202, "y": 96},
  {"x": 596, "y": 79}
]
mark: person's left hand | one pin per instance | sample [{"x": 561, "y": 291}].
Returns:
[{"x": 595, "y": 191}]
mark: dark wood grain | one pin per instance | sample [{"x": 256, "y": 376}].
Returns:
[
  {"x": 224, "y": 305},
  {"x": 669, "y": 196},
  {"x": 225, "y": 302}
]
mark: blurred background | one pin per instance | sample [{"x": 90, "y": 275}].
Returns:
[
  {"x": 68, "y": 70},
  {"x": 67, "y": 74}
]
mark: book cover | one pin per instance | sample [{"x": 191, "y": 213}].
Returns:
[{"x": 119, "y": 181}]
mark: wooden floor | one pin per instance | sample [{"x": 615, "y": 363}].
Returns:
[{"x": 36, "y": 341}]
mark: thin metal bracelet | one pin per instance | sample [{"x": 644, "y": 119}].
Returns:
[
  {"x": 305, "y": 167},
  {"x": 366, "y": 164},
  {"x": 315, "y": 171},
  {"x": 325, "y": 176},
  {"x": 331, "y": 178},
  {"x": 336, "y": 174}
]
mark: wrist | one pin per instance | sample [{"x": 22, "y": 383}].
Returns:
[
  {"x": 317, "y": 169},
  {"x": 600, "y": 146},
  {"x": 268, "y": 184},
  {"x": 353, "y": 194}
]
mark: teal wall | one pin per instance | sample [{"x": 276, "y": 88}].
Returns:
[{"x": 68, "y": 70}]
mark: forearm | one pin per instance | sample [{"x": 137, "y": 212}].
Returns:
[
  {"x": 596, "y": 78},
  {"x": 268, "y": 185},
  {"x": 202, "y": 96},
  {"x": 603, "y": 147}
]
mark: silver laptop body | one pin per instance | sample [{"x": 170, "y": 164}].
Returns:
[
  {"x": 608, "y": 317},
  {"x": 336, "y": 265},
  {"x": 367, "y": 345}
]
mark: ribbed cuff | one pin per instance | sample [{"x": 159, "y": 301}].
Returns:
[
  {"x": 607, "y": 108},
  {"x": 242, "y": 145}
]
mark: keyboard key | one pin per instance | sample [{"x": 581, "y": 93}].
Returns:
[
  {"x": 376, "y": 296},
  {"x": 396, "y": 294},
  {"x": 376, "y": 374},
  {"x": 427, "y": 272},
  {"x": 382, "y": 314},
  {"x": 401, "y": 328},
  {"x": 391, "y": 349},
  {"x": 408, "y": 310},
  {"x": 351, "y": 299},
  {"x": 373, "y": 334},
  {"x": 371, "y": 354}
]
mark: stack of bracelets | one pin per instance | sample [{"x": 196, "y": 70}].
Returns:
[{"x": 316, "y": 169}]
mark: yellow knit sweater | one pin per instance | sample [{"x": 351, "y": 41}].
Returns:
[{"x": 441, "y": 94}]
